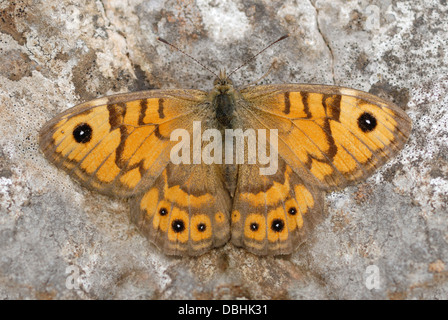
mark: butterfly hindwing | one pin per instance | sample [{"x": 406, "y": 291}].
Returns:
[
  {"x": 330, "y": 136},
  {"x": 186, "y": 212},
  {"x": 273, "y": 214}
]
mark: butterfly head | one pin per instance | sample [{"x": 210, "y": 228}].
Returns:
[{"x": 222, "y": 83}]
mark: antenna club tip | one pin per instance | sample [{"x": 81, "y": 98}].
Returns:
[{"x": 162, "y": 40}]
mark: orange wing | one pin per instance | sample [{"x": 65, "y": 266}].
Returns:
[
  {"x": 330, "y": 136},
  {"x": 186, "y": 211},
  {"x": 327, "y": 137},
  {"x": 119, "y": 145},
  {"x": 273, "y": 214}
]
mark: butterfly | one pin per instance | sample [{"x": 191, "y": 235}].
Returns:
[{"x": 327, "y": 137}]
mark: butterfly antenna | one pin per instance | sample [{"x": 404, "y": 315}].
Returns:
[
  {"x": 253, "y": 57},
  {"x": 181, "y": 51}
]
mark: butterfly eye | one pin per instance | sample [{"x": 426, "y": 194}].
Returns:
[
  {"x": 277, "y": 225},
  {"x": 82, "y": 133},
  {"x": 201, "y": 227},
  {"x": 178, "y": 225},
  {"x": 292, "y": 211},
  {"x": 163, "y": 211},
  {"x": 367, "y": 122}
]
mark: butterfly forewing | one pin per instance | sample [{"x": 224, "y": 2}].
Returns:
[
  {"x": 119, "y": 145},
  {"x": 330, "y": 136}
]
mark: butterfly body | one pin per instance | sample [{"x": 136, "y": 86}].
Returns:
[{"x": 328, "y": 137}]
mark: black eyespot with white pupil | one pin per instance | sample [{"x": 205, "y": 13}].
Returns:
[
  {"x": 82, "y": 133},
  {"x": 254, "y": 226},
  {"x": 277, "y": 225},
  {"x": 163, "y": 211},
  {"x": 178, "y": 225},
  {"x": 292, "y": 211},
  {"x": 367, "y": 122},
  {"x": 201, "y": 227}
]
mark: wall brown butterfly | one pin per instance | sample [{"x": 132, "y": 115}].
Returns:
[{"x": 328, "y": 137}]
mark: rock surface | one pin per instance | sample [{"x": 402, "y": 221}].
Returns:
[{"x": 61, "y": 241}]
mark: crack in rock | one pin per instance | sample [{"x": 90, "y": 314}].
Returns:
[{"x": 325, "y": 39}]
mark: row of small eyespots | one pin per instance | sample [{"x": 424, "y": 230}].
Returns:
[
  {"x": 201, "y": 222},
  {"x": 255, "y": 224}
]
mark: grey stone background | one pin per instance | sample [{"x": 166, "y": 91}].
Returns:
[{"x": 55, "y": 54}]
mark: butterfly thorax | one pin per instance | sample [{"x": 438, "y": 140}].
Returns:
[{"x": 223, "y": 98}]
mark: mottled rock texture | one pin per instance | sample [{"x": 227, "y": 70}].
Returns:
[{"x": 55, "y": 54}]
